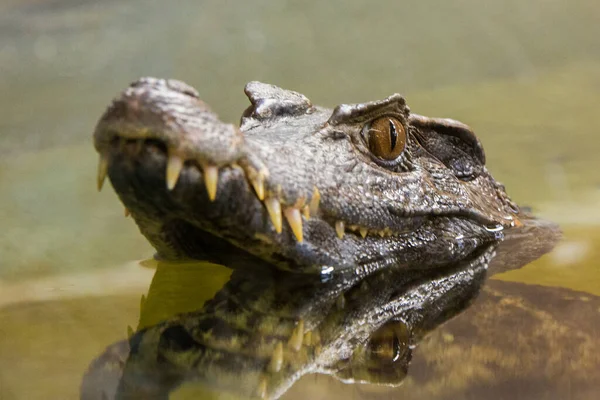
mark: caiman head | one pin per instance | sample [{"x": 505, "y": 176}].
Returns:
[{"x": 296, "y": 186}]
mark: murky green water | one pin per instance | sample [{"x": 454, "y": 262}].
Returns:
[{"x": 524, "y": 75}]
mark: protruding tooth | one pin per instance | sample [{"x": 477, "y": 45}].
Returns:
[
  {"x": 297, "y": 337},
  {"x": 339, "y": 229},
  {"x": 340, "y": 302},
  {"x": 258, "y": 183},
  {"x": 130, "y": 332},
  {"x": 102, "y": 170},
  {"x": 306, "y": 211},
  {"x": 381, "y": 233},
  {"x": 314, "y": 201},
  {"x": 261, "y": 390},
  {"x": 274, "y": 209},
  {"x": 276, "y": 358},
  {"x": 363, "y": 232},
  {"x": 211, "y": 179},
  {"x": 294, "y": 218},
  {"x": 174, "y": 166},
  {"x": 126, "y": 212}
]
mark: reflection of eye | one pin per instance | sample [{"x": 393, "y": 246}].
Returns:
[
  {"x": 388, "y": 344},
  {"x": 385, "y": 137}
]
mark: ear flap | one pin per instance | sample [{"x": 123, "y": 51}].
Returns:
[{"x": 451, "y": 142}]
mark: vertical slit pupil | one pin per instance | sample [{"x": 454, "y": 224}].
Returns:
[{"x": 393, "y": 136}]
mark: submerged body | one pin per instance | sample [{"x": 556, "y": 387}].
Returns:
[{"x": 353, "y": 232}]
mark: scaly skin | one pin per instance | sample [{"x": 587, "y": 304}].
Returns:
[
  {"x": 292, "y": 165},
  {"x": 344, "y": 259}
]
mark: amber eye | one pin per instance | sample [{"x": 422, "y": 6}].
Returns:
[{"x": 385, "y": 137}]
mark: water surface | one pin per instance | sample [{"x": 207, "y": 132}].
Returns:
[{"x": 525, "y": 76}]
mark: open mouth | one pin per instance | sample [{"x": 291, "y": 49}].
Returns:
[{"x": 179, "y": 174}]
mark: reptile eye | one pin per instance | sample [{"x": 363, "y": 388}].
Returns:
[{"x": 385, "y": 137}]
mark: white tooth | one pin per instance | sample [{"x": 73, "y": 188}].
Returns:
[
  {"x": 211, "y": 180},
  {"x": 339, "y": 229},
  {"x": 102, "y": 170},
  {"x": 294, "y": 219},
  {"x": 274, "y": 209},
  {"x": 306, "y": 212},
  {"x": 363, "y": 232},
  {"x": 259, "y": 186},
  {"x": 314, "y": 201},
  {"x": 174, "y": 166}
]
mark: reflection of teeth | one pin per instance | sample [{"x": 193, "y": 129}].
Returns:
[
  {"x": 297, "y": 337},
  {"x": 339, "y": 229},
  {"x": 294, "y": 218},
  {"x": 211, "y": 179},
  {"x": 174, "y": 166},
  {"x": 274, "y": 209},
  {"x": 277, "y": 358},
  {"x": 308, "y": 338},
  {"x": 261, "y": 390},
  {"x": 102, "y": 170}
]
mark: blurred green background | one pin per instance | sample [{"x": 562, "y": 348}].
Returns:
[{"x": 524, "y": 75}]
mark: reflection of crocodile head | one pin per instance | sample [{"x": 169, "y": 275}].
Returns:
[
  {"x": 395, "y": 212},
  {"x": 263, "y": 331},
  {"x": 301, "y": 187}
]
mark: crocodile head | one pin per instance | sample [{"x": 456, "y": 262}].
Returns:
[{"x": 297, "y": 186}]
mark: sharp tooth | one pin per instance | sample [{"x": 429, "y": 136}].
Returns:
[
  {"x": 130, "y": 331},
  {"x": 294, "y": 218},
  {"x": 258, "y": 184},
  {"x": 276, "y": 358},
  {"x": 297, "y": 337},
  {"x": 174, "y": 166},
  {"x": 306, "y": 212},
  {"x": 381, "y": 233},
  {"x": 314, "y": 201},
  {"x": 339, "y": 229},
  {"x": 274, "y": 209},
  {"x": 102, "y": 170},
  {"x": 363, "y": 232},
  {"x": 126, "y": 213},
  {"x": 211, "y": 179}
]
